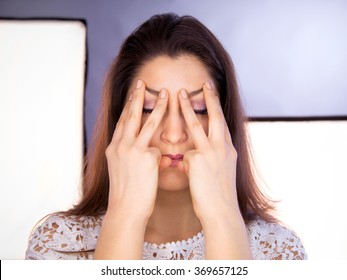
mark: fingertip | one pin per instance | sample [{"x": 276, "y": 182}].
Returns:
[
  {"x": 164, "y": 163},
  {"x": 183, "y": 93},
  {"x": 208, "y": 85},
  {"x": 210, "y": 94},
  {"x": 139, "y": 84},
  {"x": 138, "y": 91},
  {"x": 180, "y": 167},
  {"x": 162, "y": 100},
  {"x": 163, "y": 94}
]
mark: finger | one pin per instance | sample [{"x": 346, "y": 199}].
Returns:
[
  {"x": 132, "y": 120},
  {"x": 227, "y": 134},
  {"x": 153, "y": 121},
  {"x": 183, "y": 167},
  {"x": 216, "y": 120},
  {"x": 218, "y": 127},
  {"x": 194, "y": 125},
  {"x": 165, "y": 162},
  {"x": 118, "y": 131}
]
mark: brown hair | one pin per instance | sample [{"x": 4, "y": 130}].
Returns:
[{"x": 170, "y": 35}]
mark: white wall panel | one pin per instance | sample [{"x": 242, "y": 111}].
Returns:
[
  {"x": 304, "y": 165},
  {"x": 42, "y": 68}
]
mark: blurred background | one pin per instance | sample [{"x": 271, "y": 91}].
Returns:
[{"x": 291, "y": 62}]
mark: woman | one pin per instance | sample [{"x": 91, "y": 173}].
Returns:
[{"x": 168, "y": 175}]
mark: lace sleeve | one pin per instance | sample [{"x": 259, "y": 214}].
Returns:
[
  {"x": 62, "y": 237},
  {"x": 271, "y": 241}
]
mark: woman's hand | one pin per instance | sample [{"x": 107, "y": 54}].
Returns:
[
  {"x": 133, "y": 172},
  {"x": 211, "y": 169},
  {"x": 133, "y": 166}
]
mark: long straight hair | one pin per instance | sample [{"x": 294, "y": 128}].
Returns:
[{"x": 169, "y": 35}]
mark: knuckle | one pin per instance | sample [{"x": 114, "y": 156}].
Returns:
[
  {"x": 197, "y": 158},
  {"x": 132, "y": 116},
  {"x": 196, "y": 125},
  {"x": 219, "y": 118},
  {"x": 109, "y": 151},
  {"x": 231, "y": 153},
  {"x": 148, "y": 155},
  {"x": 119, "y": 124},
  {"x": 162, "y": 102},
  {"x": 223, "y": 154},
  {"x": 234, "y": 153},
  {"x": 151, "y": 158},
  {"x": 132, "y": 154},
  {"x": 135, "y": 94},
  {"x": 120, "y": 150},
  {"x": 159, "y": 108},
  {"x": 150, "y": 124}
]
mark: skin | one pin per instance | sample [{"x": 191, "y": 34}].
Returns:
[{"x": 174, "y": 203}]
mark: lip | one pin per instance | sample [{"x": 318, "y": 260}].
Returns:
[
  {"x": 175, "y": 159},
  {"x": 177, "y": 156}
]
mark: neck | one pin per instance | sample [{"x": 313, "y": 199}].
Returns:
[{"x": 173, "y": 218}]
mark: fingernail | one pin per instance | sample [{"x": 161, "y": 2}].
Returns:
[
  {"x": 162, "y": 94},
  {"x": 184, "y": 94},
  {"x": 208, "y": 85},
  {"x": 139, "y": 84}
]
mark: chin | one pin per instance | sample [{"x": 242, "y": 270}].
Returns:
[{"x": 171, "y": 179}]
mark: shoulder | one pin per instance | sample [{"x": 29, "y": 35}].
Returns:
[
  {"x": 270, "y": 241},
  {"x": 61, "y": 236}
]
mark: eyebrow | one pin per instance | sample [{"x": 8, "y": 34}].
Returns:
[{"x": 190, "y": 94}]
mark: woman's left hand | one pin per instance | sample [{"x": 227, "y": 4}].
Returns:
[
  {"x": 211, "y": 166},
  {"x": 211, "y": 169}
]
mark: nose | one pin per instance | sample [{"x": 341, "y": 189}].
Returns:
[{"x": 174, "y": 128}]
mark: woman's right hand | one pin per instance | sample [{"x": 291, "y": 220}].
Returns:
[
  {"x": 133, "y": 169},
  {"x": 133, "y": 166}
]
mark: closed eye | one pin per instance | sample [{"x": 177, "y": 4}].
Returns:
[
  {"x": 201, "y": 112},
  {"x": 147, "y": 111}
]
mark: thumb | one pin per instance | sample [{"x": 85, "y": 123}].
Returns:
[
  {"x": 164, "y": 163},
  {"x": 183, "y": 166}
]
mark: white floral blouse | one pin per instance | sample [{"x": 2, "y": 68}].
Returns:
[{"x": 75, "y": 237}]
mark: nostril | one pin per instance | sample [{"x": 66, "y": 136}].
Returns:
[{"x": 173, "y": 133}]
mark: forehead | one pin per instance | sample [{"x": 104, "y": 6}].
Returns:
[{"x": 173, "y": 74}]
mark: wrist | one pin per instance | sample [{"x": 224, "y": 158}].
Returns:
[
  {"x": 226, "y": 236},
  {"x": 126, "y": 216},
  {"x": 121, "y": 235},
  {"x": 130, "y": 209},
  {"x": 224, "y": 212}
]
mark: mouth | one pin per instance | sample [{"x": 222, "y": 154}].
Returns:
[{"x": 175, "y": 159}]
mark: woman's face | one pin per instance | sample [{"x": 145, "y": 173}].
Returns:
[{"x": 172, "y": 136}]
